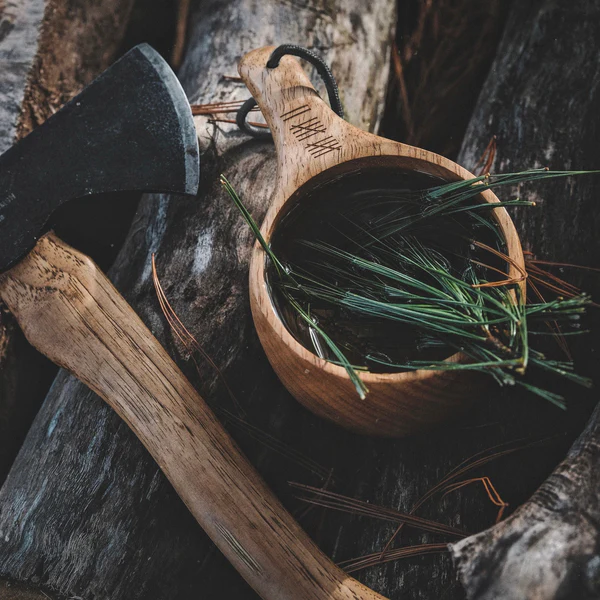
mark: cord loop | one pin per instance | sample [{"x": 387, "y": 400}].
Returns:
[{"x": 322, "y": 69}]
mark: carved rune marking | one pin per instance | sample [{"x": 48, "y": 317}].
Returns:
[
  {"x": 295, "y": 112},
  {"x": 323, "y": 146},
  {"x": 308, "y": 128}
]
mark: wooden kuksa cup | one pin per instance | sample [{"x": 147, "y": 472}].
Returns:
[{"x": 314, "y": 146}]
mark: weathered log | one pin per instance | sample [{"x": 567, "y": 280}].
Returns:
[
  {"x": 105, "y": 522},
  {"x": 87, "y": 513},
  {"x": 48, "y": 51},
  {"x": 541, "y": 102},
  {"x": 549, "y": 547}
]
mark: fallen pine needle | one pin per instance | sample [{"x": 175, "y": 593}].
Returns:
[
  {"x": 372, "y": 560},
  {"x": 491, "y": 491},
  {"x": 190, "y": 343},
  {"x": 328, "y": 499},
  {"x": 476, "y": 460}
]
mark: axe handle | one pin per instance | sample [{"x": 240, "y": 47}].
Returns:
[{"x": 72, "y": 313}]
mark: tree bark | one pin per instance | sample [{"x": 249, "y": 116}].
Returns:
[
  {"x": 541, "y": 101},
  {"x": 85, "y": 511},
  {"x": 49, "y": 49},
  {"x": 549, "y": 547}
]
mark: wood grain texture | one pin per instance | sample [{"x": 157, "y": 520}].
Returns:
[
  {"x": 541, "y": 100},
  {"x": 76, "y": 40},
  {"x": 396, "y": 404},
  {"x": 70, "y": 312},
  {"x": 48, "y": 51},
  {"x": 97, "y": 518}
]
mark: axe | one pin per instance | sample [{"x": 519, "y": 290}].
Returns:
[{"x": 132, "y": 129}]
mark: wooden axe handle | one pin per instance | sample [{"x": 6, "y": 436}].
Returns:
[{"x": 71, "y": 313}]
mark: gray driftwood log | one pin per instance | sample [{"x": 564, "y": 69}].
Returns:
[
  {"x": 48, "y": 51},
  {"x": 85, "y": 512},
  {"x": 541, "y": 100},
  {"x": 548, "y": 548}
]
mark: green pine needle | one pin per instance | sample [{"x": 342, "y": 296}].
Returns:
[
  {"x": 385, "y": 273},
  {"x": 358, "y": 384}
]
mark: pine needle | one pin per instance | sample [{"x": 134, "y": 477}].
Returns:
[
  {"x": 275, "y": 444},
  {"x": 191, "y": 345},
  {"x": 371, "y": 560},
  {"x": 189, "y": 342},
  {"x": 284, "y": 274},
  {"x": 489, "y": 488},
  {"x": 339, "y": 502},
  {"x": 473, "y": 462},
  {"x": 385, "y": 265}
]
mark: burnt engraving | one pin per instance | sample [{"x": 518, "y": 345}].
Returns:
[{"x": 305, "y": 128}]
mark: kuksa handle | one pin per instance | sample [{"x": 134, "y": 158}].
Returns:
[
  {"x": 72, "y": 313},
  {"x": 308, "y": 135}
]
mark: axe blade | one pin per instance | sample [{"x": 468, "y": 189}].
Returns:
[{"x": 130, "y": 129}]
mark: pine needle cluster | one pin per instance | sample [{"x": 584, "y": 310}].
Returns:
[{"x": 425, "y": 268}]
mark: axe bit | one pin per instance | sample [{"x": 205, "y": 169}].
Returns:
[{"x": 132, "y": 129}]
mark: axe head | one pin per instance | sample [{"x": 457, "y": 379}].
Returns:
[{"x": 130, "y": 129}]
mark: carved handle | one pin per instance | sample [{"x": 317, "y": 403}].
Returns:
[
  {"x": 308, "y": 135},
  {"x": 71, "y": 312}
]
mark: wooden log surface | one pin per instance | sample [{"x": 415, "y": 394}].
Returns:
[
  {"x": 541, "y": 101},
  {"x": 85, "y": 511},
  {"x": 48, "y": 51},
  {"x": 105, "y": 522},
  {"x": 549, "y": 547}
]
